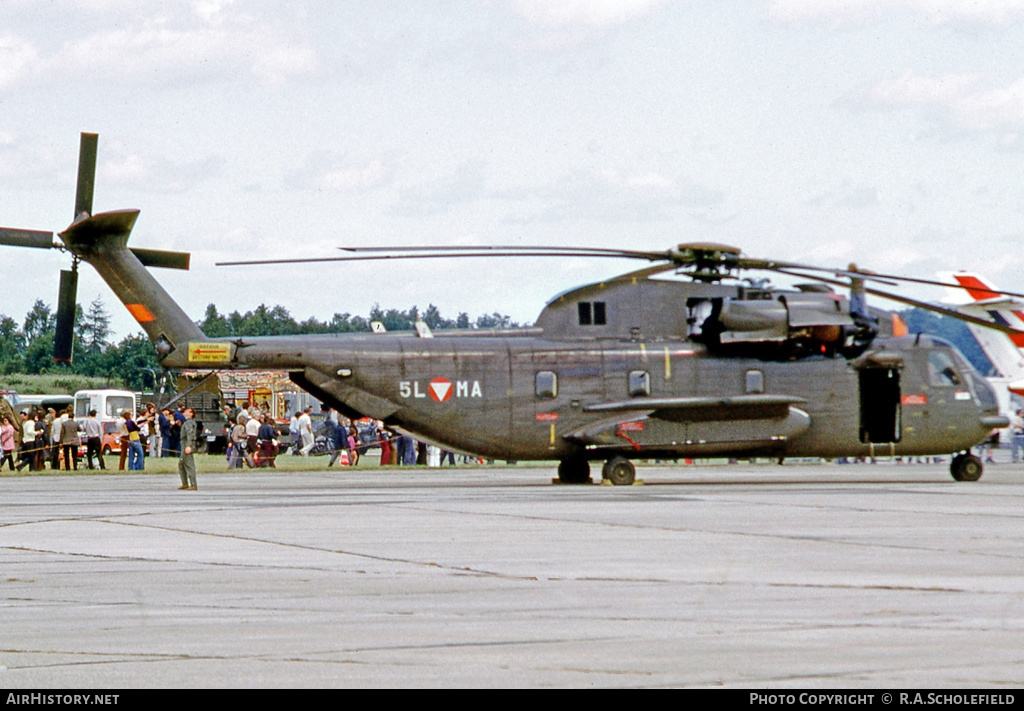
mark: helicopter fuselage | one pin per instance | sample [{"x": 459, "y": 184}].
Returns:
[{"x": 525, "y": 397}]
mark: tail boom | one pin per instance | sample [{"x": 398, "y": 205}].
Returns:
[{"x": 102, "y": 241}]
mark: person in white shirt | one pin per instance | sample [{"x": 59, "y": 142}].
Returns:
[
  {"x": 252, "y": 435},
  {"x": 28, "y": 440},
  {"x": 306, "y": 432},
  {"x": 93, "y": 439},
  {"x": 1017, "y": 435}
]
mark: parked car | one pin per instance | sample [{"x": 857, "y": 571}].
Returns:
[{"x": 111, "y": 443}]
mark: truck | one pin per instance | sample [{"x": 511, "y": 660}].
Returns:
[{"x": 215, "y": 396}]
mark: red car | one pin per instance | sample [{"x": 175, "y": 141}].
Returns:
[{"x": 111, "y": 443}]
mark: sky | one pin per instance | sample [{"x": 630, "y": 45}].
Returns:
[{"x": 889, "y": 133}]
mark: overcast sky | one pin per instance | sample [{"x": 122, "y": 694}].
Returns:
[{"x": 885, "y": 132}]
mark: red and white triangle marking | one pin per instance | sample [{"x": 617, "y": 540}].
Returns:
[{"x": 440, "y": 389}]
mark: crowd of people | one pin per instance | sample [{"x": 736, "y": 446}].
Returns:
[
  {"x": 255, "y": 440},
  {"x": 48, "y": 437},
  {"x": 343, "y": 435},
  {"x": 252, "y": 438}
]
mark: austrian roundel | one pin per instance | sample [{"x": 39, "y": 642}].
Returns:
[{"x": 440, "y": 389}]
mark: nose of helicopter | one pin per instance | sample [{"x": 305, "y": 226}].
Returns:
[{"x": 989, "y": 417}]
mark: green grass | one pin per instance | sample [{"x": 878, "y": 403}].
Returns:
[
  {"x": 215, "y": 463},
  {"x": 53, "y": 383}
]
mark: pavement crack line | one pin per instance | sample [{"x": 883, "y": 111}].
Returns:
[
  {"x": 297, "y": 546},
  {"x": 805, "y": 538}
]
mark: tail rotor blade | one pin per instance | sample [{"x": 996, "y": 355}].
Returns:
[
  {"x": 162, "y": 258},
  {"x": 26, "y": 238},
  {"x": 86, "y": 174},
  {"x": 63, "y": 337}
]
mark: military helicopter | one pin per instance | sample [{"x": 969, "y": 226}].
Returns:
[{"x": 706, "y": 364}]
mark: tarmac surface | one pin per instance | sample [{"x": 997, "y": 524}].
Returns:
[{"x": 736, "y": 576}]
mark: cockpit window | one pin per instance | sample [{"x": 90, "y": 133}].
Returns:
[
  {"x": 983, "y": 392},
  {"x": 941, "y": 370}
]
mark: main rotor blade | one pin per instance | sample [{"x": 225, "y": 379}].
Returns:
[
  {"x": 26, "y": 238},
  {"x": 946, "y": 284},
  {"x": 64, "y": 333},
  {"x": 713, "y": 256},
  {"x": 86, "y": 174},
  {"x": 893, "y": 278},
  {"x": 890, "y": 279},
  {"x": 527, "y": 250},
  {"x": 791, "y": 271},
  {"x": 541, "y": 252},
  {"x": 925, "y": 305},
  {"x": 951, "y": 313},
  {"x": 716, "y": 258}
]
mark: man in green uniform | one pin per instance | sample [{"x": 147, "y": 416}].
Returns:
[{"x": 187, "y": 462}]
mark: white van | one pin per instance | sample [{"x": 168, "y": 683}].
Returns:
[{"x": 108, "y": 404}]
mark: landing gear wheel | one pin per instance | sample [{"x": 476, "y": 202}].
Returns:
[
  {"x": 619, "y": 471},
  {"x": 966, "y": 467},
  {"x": 574, "y": 471}
]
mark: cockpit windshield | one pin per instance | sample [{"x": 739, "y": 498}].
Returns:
[
  {"x": 983, "y": 392},
  {"x": 941, "y": 369}
]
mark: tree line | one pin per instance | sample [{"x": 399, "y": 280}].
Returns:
[
  {"x": 276, "y": 321},
  {"x": 28, "y": 347}
]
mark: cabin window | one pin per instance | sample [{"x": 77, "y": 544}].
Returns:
[
  {"x": 754, "y": 382},
  {"x": 592, "y": 313},
  {"x": 547, "y": 385},
  {"x": 639, "y": 383}
]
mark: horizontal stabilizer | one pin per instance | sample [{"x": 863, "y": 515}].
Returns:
[
  {"x": 87, "y": 233},
  {"x": 26, "y": 238}
]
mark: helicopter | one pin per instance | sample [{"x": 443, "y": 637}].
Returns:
[{"x": 704, "y": 364}]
